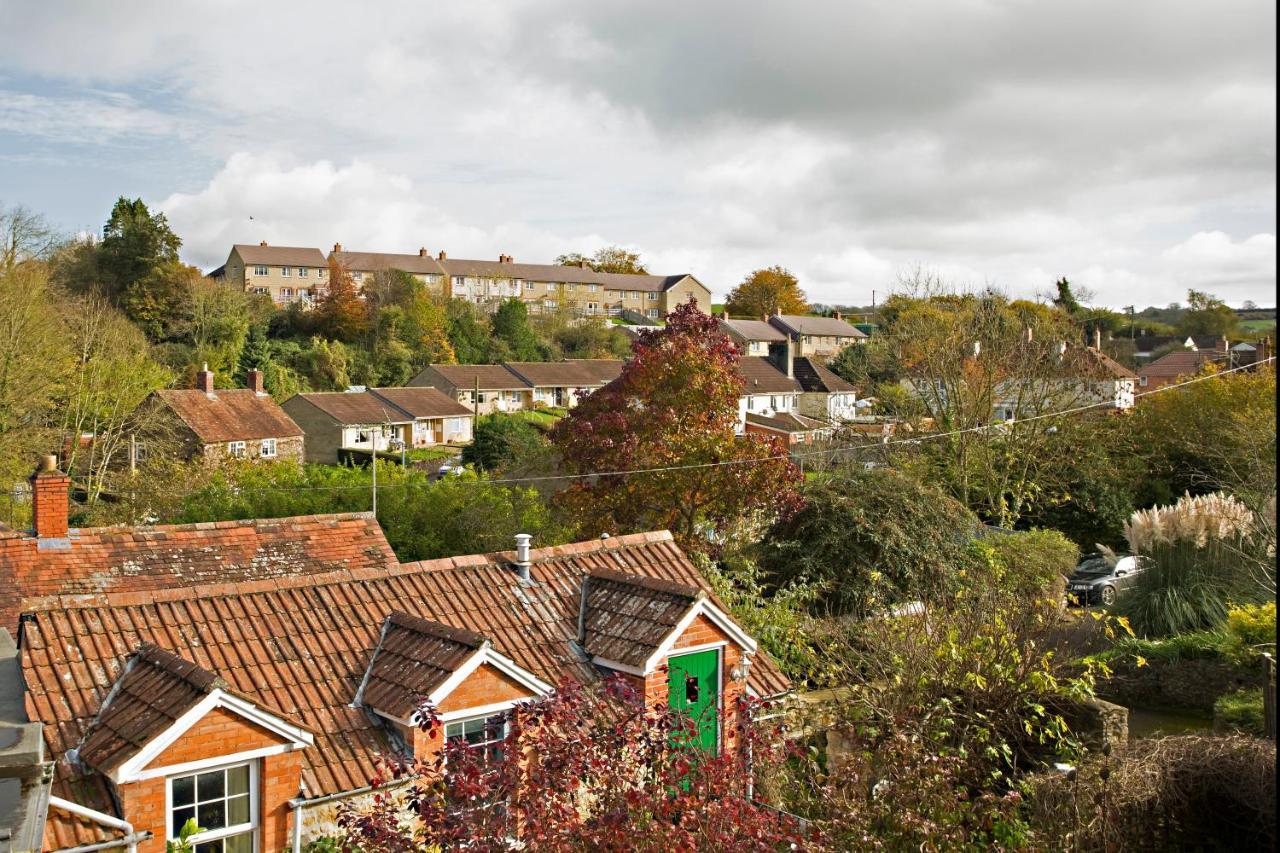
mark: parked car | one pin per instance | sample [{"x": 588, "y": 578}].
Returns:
[{"x": 1098, "y": 579}]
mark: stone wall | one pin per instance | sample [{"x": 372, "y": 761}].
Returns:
[{"x": 1193, "y": 683}]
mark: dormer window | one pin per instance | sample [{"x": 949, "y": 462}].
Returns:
[{"x": 486, "y": 734}]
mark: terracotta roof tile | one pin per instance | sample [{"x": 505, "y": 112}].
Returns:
[
  {"x": 626, "y": 617},
  {"x": 413, "y": 658},
  {"x": 236, "y": 414}
]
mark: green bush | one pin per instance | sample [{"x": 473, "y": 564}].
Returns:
[
  {"x": 1239, "y": 712},
  {"x": 1251, "y": 629},
  {"x": 872, "y": 540},
  {"x": 501, "y": 440},
  {"x": 1032, "y": 565}
]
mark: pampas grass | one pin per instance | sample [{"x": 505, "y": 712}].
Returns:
[{"x": 1196, "y": 569}]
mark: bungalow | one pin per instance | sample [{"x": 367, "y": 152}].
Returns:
[
  {"x": 818, "y": 336},
  {"x": 562, "y": 383},
  {"x": 823, "y": 394},
  {"x": 377, "y": 419},
  {"x": 261, "y": 706},
  {"x": 243, "y": 423},
  {"x": 1174, "y": 366},
  {"x": 484, "y": 388}
]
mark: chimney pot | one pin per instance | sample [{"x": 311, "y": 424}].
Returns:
[
  {"x": 337, "y": 247},
  {"x": 522, "y": 555},
  {"x": 422, "y": 253},
  {"x": 50, "y": 503},
  {"x": 263, "y": 244},
  {"x": 204, "y": 380},
  {"x": 255, "y": 382}
]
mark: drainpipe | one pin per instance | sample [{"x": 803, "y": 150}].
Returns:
[{"x": 131, "y": 838}]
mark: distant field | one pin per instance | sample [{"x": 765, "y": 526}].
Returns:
[{"x": 1258, "y": 325}]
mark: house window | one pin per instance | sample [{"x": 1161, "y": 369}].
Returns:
[
  {"x": 483, "y": 733},
  {"x": 222, "y": 803},
  {"x": 653, "y": 297},
  {"x": 262, "y": 291},
  {"x": 260, "y": 270},
  {"x": 305, "y": 293},
  {"x": 591, "y": 288},
  {"x": 303, "y": 272},
  {"x": 358, "y": 276},
  {"x": 286, "y": 292},
  {"x": 550, "y": 303},
  {"x": 285, "y": 271},
  {"x": 1142, "y": 380},
  {"x": 652, "y": 313},
  {"x": 530, "y": 286},
  {"x": 236, "y": 449},
  {"x": 323, "y": 272},
  {"x": 268, "y": 448},
  {"x": 592, "y": 307}
]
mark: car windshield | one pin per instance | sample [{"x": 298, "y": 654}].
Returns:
[{"x": 1094, "y": 567}]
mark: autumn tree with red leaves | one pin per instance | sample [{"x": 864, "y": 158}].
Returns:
[
  {"x": 582, "y": 769},
  {"x": 340, "y": 310},
  {"x": 674, "y": 408}
]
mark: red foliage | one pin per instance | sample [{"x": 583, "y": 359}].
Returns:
[
  {"x": 674, "y": 407},
  {"x": 581, "y": 770},
  {"x": 340, "y": 310}
]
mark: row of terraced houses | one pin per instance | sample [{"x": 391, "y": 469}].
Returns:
[{"x": 290, "y": 274}]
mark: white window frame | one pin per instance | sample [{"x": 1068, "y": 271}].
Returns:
[
  {"x": 266, "y": 453},
  {"x": 652, "y": 313},
  {"x": 286, "y": 271},
  {"x": 214, "y": 835},
  {"x": 262, "y": 291},
  {"x": 286, "y": 292},
  {"x": 304, "y": 272},
  {"x": 237, "y": 449},
  {"x": 653, "y": 297},
  {"x": 259, "y": 269},
  {"x": 472, "y": 717}
]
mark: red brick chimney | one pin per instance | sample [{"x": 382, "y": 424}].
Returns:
[
  {"x": 49, "y": 501},
  {"x": 422, "y": 253},
  {"x": 442, "y": 256},
  {"x": 337, "y": 247},
  {"x": 254, "y": 381},
  {"x": 204, "y": 380},
  {"x": 584, "y": 264},
  {"x": 836, "y": 315}
]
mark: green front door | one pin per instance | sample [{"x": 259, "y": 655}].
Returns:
[{"x": 694, "y": 690}]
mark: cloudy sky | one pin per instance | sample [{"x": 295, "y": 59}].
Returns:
[{"x": 1129, "y": 146}]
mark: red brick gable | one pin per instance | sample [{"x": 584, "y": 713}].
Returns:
[
  {"x": 485, "y": 686},
  {"x": 218, "y": 733}
]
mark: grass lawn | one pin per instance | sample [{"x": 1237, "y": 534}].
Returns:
[
  {"x": 424, "y": 454},
  {"x": 541, "y": 418},
  {"x": 1256, "y": 326}
]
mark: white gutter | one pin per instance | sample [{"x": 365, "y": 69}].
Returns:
[{"x": 98, "y": 817}]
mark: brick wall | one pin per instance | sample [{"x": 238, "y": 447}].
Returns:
[
  {"x": 485, "y": 686},
  {"x": 220, "y": 733}
]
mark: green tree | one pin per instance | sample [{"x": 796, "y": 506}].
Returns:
[
  {"x": 773, "y": 290},
  {"x": 1207, "y": 315},
  {"x": 511, "y": 326},
  {"x": 613, "y": 259},
  {"x": 255, "y": 355},
  {"x": 135, "y": 242},
  {"x": 1066, "y": 300},
  {"x": 501, "y": 440},
  {"x": 468, "y": 335}
]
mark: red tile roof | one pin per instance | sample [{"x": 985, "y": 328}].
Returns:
[
  {"x": 138, "y": 559},
  {"x": 301, "y": 644},
  {"x": 626, "y": 617},
  {"x": 423, "y": 402},
  {"x": 235, "y": 414},
  {"x": 575, "y": 373},
  {"x": 413, "y": 658},
  {"x": 1181, "y": 363},
  {"x": 763, "y": 377},
  {"x": 289, "y": 256}
]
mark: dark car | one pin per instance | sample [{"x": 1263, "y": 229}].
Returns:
[{"x": 1098, "y": 580}]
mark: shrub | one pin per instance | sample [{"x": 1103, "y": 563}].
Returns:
[
  {"x": 1032, "y": 565},
  {"x": 501, "y": 440},
  {"x": 873, "y": 539},
  {"x": 1251, "y": 628},
  {"x": 1240, "y": 711},
  {"x": 1176, "y": 793}
]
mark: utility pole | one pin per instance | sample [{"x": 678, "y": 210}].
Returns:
[
  {"x": 475, "y": 399},
  {"x": 373, "y": 465}
]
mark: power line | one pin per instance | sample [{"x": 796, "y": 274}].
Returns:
[{"x": 829, "y": 451}]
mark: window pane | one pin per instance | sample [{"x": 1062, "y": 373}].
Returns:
[
  {"x": 238, "y": 810},
  {"x": 238, "y": 777},
  {"x": 184, "y": 791},
  {"x": 211, "y": 785},
  {"x": 212, "y": 815},
  {"x": 181, "y": 816},
  {"x": 210, "y": 847},
  {"x": 242, "y": 843}
]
